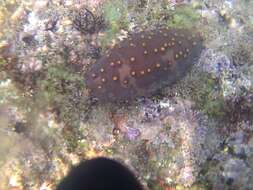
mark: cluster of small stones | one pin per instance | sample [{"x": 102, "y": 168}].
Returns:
[{"x": 142, "y": 63}]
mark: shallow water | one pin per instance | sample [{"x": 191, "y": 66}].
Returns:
[{"x": 194, "y": 134}]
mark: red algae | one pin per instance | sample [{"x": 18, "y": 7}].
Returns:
[{"x": 143, "y": 63}]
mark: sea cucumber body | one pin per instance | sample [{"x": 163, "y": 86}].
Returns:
[{"x": 143, "y": 63}]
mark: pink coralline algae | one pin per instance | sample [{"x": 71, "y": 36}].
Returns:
[{"x": 143, "y": 63}]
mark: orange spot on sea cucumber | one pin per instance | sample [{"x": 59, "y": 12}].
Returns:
[
  {"x": 133, "y": 73},
  {"x": 158, "y": 65},
  {"x": 114, "y": 78}
]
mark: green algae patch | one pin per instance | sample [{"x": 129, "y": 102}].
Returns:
[
  {"x": 63, "y": 88},
  {"x": 205, "y": 91},
  {"x": 184, "y": 16},
  {"x": 115, "y": 14},
  {"x": 56, "y": 80},
  {"x": 154, "y": 185},
  {"x": 63, "y": 91},
  {"x": 2, "y": 62},
  {"x": 208, "y": 98}
]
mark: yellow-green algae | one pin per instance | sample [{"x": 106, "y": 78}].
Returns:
[
  {"x": 115, "y": 14},
  {"x": 184, "y": 16}
]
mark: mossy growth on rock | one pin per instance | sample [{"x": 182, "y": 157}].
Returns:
[
  {"x": 208, "y": 97},
  {"x": 63, "y": 88},
  {"x": 2, "y": 62},
  {"x": 184, "y": 16},
  {"x": 154, "y": 185},
  {"x": 115, "y": 14},
  {"x": 56, "y": 80},
  {"x": 205, "y": 91}
]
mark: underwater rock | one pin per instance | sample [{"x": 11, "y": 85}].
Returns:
[
  {"x": 179, "y": 139},
  {"x": 235, "y": 82},
  {"x": 84, "y": 21},
  {"x": 233, "y": 160},
  {"x": 216, "y": 63},
  {"x": 132, "y": 133},
  {"x": 143, "y": 63}
]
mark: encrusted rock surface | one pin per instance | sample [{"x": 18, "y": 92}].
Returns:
[{"x": 194, "y": 134}]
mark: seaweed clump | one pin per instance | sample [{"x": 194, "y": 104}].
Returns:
[
  {"x": 183, "y": 16},
  {"x": 115, "y": 14},
  {"x": 64, "y": 89},
  {"x": 86, "y": 22}
]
